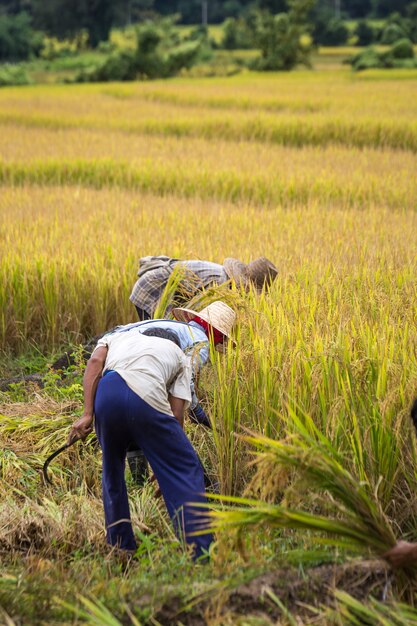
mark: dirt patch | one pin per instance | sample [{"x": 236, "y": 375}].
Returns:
[
  {"x": 294, "y": 589},
  {"x": 25, "y": 538},
  {"x": 6, "y": 384}
]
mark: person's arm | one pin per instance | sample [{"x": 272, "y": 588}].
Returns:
[
  {"x": 198, "y": 415},
  {"x": 177, "y": 407},
  {"x": 179, "y": 394},
  {"x": 195, "y": 410},
  {"x": 197, "y": 356},
  {"x": 93, "y": 372}
]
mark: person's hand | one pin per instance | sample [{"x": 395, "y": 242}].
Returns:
[
  {"x": 403, "y": 554},
  {"x": 81, "y": 428}
]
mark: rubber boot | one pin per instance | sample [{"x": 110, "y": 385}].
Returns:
[{"x": 138, "y": 466}]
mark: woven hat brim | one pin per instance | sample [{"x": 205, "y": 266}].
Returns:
[
  {"x": 187, "y": 315},
  {"x": 236, "y": 270}
]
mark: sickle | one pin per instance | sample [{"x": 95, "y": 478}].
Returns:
[{"x": 51, "y": 458}]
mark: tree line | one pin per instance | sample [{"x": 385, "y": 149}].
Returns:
[
  {"x": 219, "y": 10},
  {"x": 64, "y": 18},
  {"x": 275, "y": 27}
]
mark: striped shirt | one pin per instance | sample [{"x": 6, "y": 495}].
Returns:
[{"x": 150, "y": 285}]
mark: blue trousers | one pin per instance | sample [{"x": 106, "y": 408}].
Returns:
[{"x": 122, "y": 418}]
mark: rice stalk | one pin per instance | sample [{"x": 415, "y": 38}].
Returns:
[
  {"x": 352, "y": 510},
  {"x": 95, "y": 612},
  {"x": 174, "y": 288},
  {"x": 351, "y": 611},
  {"x": 225, "y": 185},
  {"x": 362, "y": 133}
]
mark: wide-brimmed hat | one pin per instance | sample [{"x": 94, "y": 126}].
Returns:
[
  {"x": 218, "y": 314},
  {"x": 260, "y": 272}
]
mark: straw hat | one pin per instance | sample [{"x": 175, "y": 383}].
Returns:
[
  {"x": 259, "y": 272},
  {"x": 218, "y": 314}
]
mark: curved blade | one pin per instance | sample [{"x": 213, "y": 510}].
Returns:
[{"x": 51, "y": 458}]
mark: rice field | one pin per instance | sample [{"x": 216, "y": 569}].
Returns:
[{"x": 316, "y": 171}]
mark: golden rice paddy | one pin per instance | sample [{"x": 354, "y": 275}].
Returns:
[
  {"x": 316, "y": 171},
  {"x": 196, "y": 167}
]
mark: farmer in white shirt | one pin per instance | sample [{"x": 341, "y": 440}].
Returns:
[
  {"x": 194, "y": 330},
  {"x": 138, "y": 387}
]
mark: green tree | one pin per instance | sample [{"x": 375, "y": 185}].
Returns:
[
  {"x": 386, "y": 7},
  {"x": 400, "y": 55},
  {"x": 412, "y": 17},
  {"x": 357, "y": 8},
  {"x": 18, "y": 41},
  {"x": 191, "y": 10},
  {"x": 232, "y": 8},
  {"x": 65, "y": 18},
  {"x": 329, "y": 31},
  {"x": 281, "y": 37},
  {"x": 396, "y": 27},
  {"x": 13, "y": 7},
  {"x": 135, "y": 11},
  {"x": 365, "y": 33},
  {"x": 236, "y": 35},
  {"x": 99, "y": 18},
  {"x": 274, "y": 6},
  {"x": 160, "y": 53}
]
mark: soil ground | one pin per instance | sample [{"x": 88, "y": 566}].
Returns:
[{"x": 299, "y": 591}]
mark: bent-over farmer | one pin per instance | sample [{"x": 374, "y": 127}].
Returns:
[
  {"x": 138, "y": 387},
  {"x": 193, "y": 330},
  {"x": 154, "y": 273}
]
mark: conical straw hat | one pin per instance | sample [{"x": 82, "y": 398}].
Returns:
[
  {"x": 218, "y": 314},
  {"x": 259, "y": 272}
]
